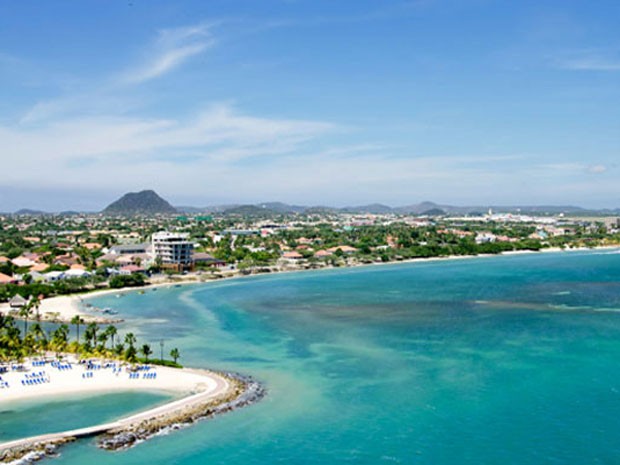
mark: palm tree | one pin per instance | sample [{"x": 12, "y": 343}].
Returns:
[
  {"x": 39, "y": 335},
  {"x": 130, "y": 352},
  {"x": 10, "y": 340},
  {"x": 77, "y": 320},
  {"x": 119, "y": 349},
  {"x": 130, "y": 339},
  {"x": 102, "y": 338},
  {"x": 25, "y": 312},
  {"x": 36, "y": 303},
  {"x": 91, "y": 333},
  {"x": 146, "y": 351},
  {"x": 110, "y": 331},
  {"x": 60, "y": 337},
  {"x": 175, "y": 354}
]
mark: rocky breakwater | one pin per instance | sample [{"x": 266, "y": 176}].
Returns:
[
  {"x": 244, "y": 390},
  {"x": 34, "y": 452}
]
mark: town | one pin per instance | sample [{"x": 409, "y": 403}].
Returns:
[{"x": 50, "y": 255}]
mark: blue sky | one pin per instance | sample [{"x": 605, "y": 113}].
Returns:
[{"x": 309, "y": 102}]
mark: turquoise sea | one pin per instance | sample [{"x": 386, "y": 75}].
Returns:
[{"x": 499, "y": 360}]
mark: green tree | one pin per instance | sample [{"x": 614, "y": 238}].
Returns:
[
  {"x": 90, "y": 335},
  {"x": 77, "y": 320},
  {"x": 146, "y": 351},
  {"x": 60, "y": 338},
  {"x": 132, "y": 280},
  {"x": 130, "y": 351},
  {"x": 175, "y": 354},
  {"x": 25, "y": 313},
  {"x": 111, "y": 332},
  {"x": 39, "y": 336}
]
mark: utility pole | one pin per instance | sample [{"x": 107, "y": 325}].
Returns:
[{"x": 161, "y": 346}]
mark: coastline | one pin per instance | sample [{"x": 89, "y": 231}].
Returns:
[
  {"x": 62, "y": 308},
  {"x": 200, "y": 402},
  {"x": 205, "y": 394}
]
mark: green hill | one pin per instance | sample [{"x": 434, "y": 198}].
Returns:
[{"x": 139, "y": 203}]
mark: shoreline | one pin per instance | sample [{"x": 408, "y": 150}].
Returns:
[
  {"x": 200, "y": 400},
  {"x": 206, "y": 393},
  {"x": 62, "y": 308}
]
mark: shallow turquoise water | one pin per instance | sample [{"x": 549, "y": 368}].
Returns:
[
  {"x": 511, "y": 360},
  {"x": 23, "y": 419}
]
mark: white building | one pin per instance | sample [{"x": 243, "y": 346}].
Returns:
[{"x": 173, "y": 250}]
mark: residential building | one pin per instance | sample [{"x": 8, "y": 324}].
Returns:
[
  {"x": 129, "y": 249},
  {"x": 173, "y": 250}
]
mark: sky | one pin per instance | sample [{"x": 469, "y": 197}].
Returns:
[{"x": 313, "y": 102}]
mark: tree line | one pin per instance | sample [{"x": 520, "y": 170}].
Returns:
[{"x": 92, "y": 340}]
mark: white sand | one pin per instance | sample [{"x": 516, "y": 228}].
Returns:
[
  {"x": 61, "y": 308},
  {"x": 105, "y": 380}
]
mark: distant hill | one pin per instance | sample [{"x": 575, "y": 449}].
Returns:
[
  {"x": 145, "y": 203},
  {"x": 129, "y": 205},
  {"x": 419, "y": 208},
  {"x": 280, "y": 207},
  {"x": 28, "y": 211},
  {"x": 249, "y": 210},
  {"x": 320, "y": 210},
  {"x": 374, "y": 209},
  {"x": 434, "y": 212}
]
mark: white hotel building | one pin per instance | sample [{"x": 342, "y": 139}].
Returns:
[{"x": 173, "y": 250}]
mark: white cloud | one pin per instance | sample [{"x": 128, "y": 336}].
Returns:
[
  {"x": 68, "y": 148},
  {"x": 173, "y": 48}
]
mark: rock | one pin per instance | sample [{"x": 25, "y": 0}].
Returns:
[{"x": 246, "y": 391}]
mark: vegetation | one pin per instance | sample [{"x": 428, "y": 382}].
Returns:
[
  {"x": 97, "y": 341},
  {"x": 253, "y": 239},
  {"x": 132, "y": 280}
]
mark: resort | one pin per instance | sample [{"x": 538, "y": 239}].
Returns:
[
  {"x": 69, "y": 375},
  {"x": 197, "y": 394}
]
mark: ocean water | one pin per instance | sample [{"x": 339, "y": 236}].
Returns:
[{"x": 511, "y": 360}]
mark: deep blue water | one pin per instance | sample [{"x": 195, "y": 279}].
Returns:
[{"x": 501, "y": 360}]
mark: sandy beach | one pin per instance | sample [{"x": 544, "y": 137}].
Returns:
[
  {"x": 203, "y": 394},
  {"x": 70, "y": 377},
  {"x": 61, "y": 308}
]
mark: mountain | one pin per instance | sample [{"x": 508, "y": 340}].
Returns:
[
  {"x": 145, "y": 202},
  {"x": 373, "y": 209},
  {"x": 280, "y": 207},
  {"x": 434, "y": 212},
  {"x": 28, "y": 211},
  {"x": 321, "y": 210},
  {"x": 419, "y": 208},
  {"x": 249, "y": 210},
  {"x": 423, "y": 208}
]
